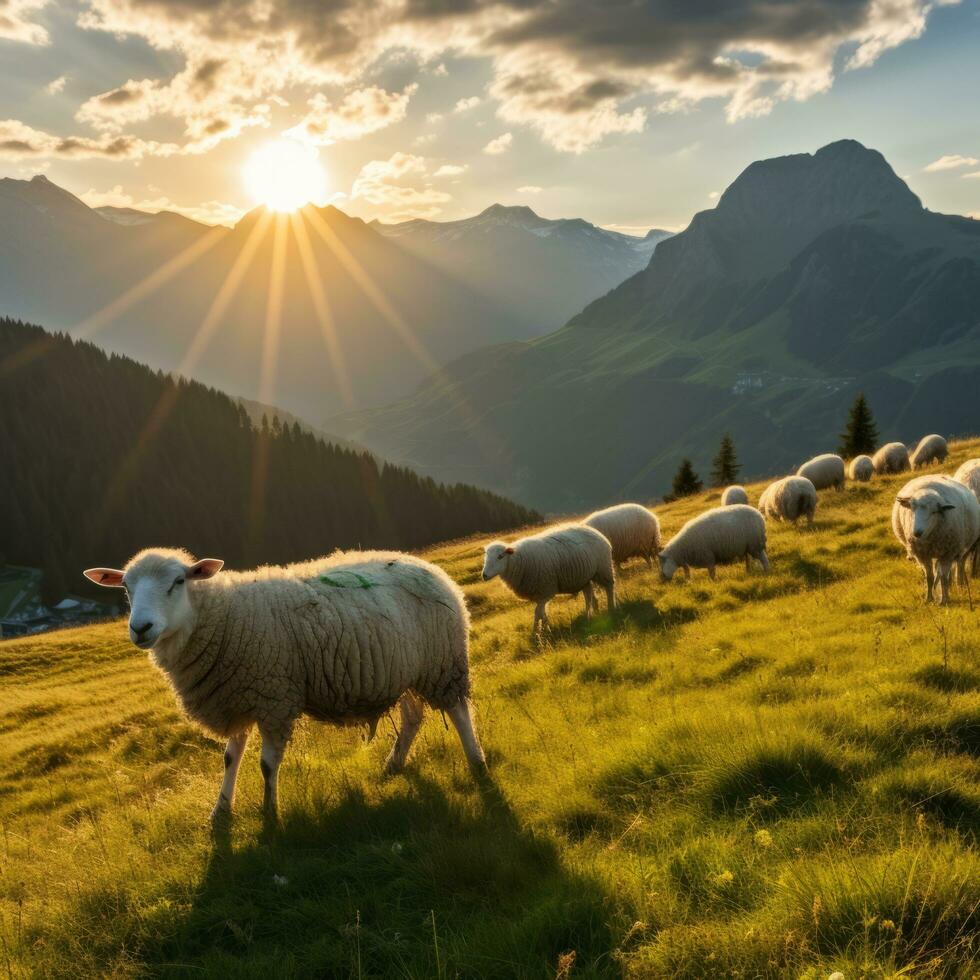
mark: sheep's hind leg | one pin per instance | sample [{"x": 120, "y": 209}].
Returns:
[
  {"x": 590, "y": 601},
  {"x": 234, "y": 751},
  {"x": 410, "y": 710},
  {"x": 764, "y": 561},
  {"x": 462, "y": 720}
]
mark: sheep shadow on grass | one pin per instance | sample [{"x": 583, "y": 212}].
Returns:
[
  {"x": 637, "y": 614},
  {"x": 417, "y": 883}
]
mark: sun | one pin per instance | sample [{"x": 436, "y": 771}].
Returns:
[{"x": 284, "y": 175}]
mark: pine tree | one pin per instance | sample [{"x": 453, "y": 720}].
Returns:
[
  {"x": 861, "y": 434},
  {"x": 686, "y": 481},
  {"x": 725, "y": 466}
]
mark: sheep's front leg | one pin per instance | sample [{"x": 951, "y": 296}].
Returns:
[
  {"x": 590, "y": 600},
  {"x": 234, "y": 751},
  {"x": 274, "y": 742},
  {"x": 944, "y": 573},
  {"x": 541, "y": 617},
  {"x": 764, "y": 561},
  {"x": 711, "y": 572},
  {"x": 930, "y": 578}
]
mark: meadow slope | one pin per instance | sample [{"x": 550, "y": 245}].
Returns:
[{"x": 758, "y": 776}]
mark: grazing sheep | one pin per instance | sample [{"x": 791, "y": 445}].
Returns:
[
  {"x": 891, "y": 458},
  {"x": 564, "y": 560},
  {"x": 734, "y": 495},
  {"x": 931, "y": 449},
  {"x": 824, "y": 471},
  {"x": 861, "y": 469},
  {"x": 716, "y": 537},
  {"x": 937, "y": 520},
  {"x": 789, "y": 499},
  {"x": 632, "y": 530},
  {"x": 969, "y": 475},
  {"x": 342, "y": 639}
]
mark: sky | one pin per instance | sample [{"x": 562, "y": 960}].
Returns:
[{"x": 630, "y": 114}]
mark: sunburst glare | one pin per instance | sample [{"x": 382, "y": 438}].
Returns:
[{"x": 284, "y": 175}]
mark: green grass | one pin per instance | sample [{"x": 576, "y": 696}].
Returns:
[{"x": 753, "y": 777}]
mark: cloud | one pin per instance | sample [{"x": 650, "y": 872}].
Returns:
[
  {"x": 464, "y": 105},
  {"x": 382, "y": 184},
  {"x": 574, "y": 71},
  {"x": 209, "y": 212},
  {"x": 951, "y": 161},
  {"x": 360, "y": 112},
  {"x": 499, "y": 145},
  {"x": 440, "y": 70},
  {"x": 18, "y": 141},
  {"x": 973, "y": 175},
  {"x": 713, "y": 195},
  {"x": 530, "y": 189},
  {"x": 15, "y": 22},
  {"x": 450, "y": 170},
  {"x": 56, "y": 86}
]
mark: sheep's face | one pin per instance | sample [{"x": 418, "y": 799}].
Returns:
[
  {"x": 156, "y": 584},
  {"x": 928, "y": 512},
  {"x": 667, "y": 568},
  {"x": 495, "y": 558}
]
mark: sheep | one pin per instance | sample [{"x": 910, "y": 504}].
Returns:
[
  {"x": 861, "y": 469},
  {"x": 342, "y": 639},
  {"x": 789, "y": 499},
  {"x": 824, "y": 471},
  {"x": 632, "y": 530},
  {"x": 969, "y": 475},
  {"x": 734, "y": 495},
  {"x": 937, "y": 520},
  {"x": 566, "y": 559},
  {"x": 891, "y": 458},
  {"x": 716, "y": 537},
  {"x": 931, "y": 449}
]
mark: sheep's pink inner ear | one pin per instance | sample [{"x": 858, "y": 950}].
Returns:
[
  {"x": 111, "y": 578},
  {"x": 205, "y": 568},
  {"x": 508, "y": 551}
]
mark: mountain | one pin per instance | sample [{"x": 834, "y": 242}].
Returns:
[
  {"x": 379, "y": 317},
  {"x": 544, "y": 270},
  {"x": 816, "y": 276},
  {"x": 112, "y": 457}
]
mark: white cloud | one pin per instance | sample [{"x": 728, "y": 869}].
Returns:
[
  {"x": 951, "y": 161},
  {"x": 713, "y": 195},
  {"x": 434, "y": 117},
  {"x": 450, "y": 170},
  {"x": 972, "y": 175},
  {"x": 530, "y": 189},
  {"x": 56, "y": 86},
  {"x": 16, "y": 23},
  {"x": 464, "y": 105},
  {"x": 382, "y": 184},
  {"x": 440, "y": 70},
  {"x": 499, "y": 145},
  {"x": 18, "y": 141},
  {"x": 209, "y": 212},
  {"x": 360, "y": 112}
]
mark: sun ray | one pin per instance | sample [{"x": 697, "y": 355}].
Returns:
[
  {"x": 267, "y": 382},
  {"x": 335, "y": 353},
  {"x": 168, "y": 399}
]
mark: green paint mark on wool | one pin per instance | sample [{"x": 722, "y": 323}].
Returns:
[{"x": 362, "y": 582}]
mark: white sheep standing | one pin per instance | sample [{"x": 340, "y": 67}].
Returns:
[
  {"x": 930, "y": 449},
  {"x": 826, "y": 470},
  {"x": 893, "y": 457},
  {"x": 342, "y": 639},
  {"x": 789, "y": 499},
  {"x": 716, "y": 537},
  {"x": 562, "y": 560},
  {"x": 937, "y": 520},
  {"x": 734, "y": 495},
  {"x": 632, "y": 530},
  {"x": 969, "y": 475},
  {"x": 861, "y": 469}
]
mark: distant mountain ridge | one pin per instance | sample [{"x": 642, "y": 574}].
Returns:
[
  {"x": 815, "y": 276},
  {"x": 547, "y": 269},
  {"x": 382, "y": 313}
]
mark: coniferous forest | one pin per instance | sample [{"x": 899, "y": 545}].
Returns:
[{"x": 101, "y": 456}]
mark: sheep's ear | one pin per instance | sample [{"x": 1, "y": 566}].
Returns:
[
  {"x": 111, "y": 578},
  {"x": 904, "y": 501},
  {"x": 508, "y": 551},
  {"x": 946, "y": 507},
  {"x": 205, "y": 568}
]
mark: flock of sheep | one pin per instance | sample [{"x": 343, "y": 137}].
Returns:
[{"x": 346, "y": 639}]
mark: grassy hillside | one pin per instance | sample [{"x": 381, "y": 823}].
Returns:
[{"x": 758, "y": 776}]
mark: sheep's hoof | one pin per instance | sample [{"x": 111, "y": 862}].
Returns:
[{"x": 221, "y": 815}]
